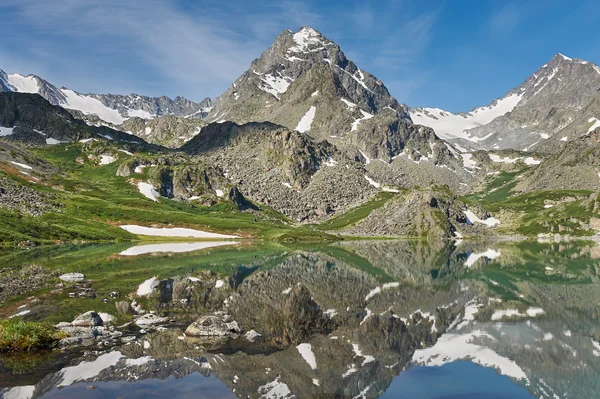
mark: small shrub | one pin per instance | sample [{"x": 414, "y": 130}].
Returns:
[{"x": 19, "y": 335}]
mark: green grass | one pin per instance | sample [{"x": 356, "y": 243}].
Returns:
[
  {"x": 530, "y": 217},
  {"x": 358, "y": 213},
  {"x": 18, "y": 335},
  {"x": 96, "y": 201}
]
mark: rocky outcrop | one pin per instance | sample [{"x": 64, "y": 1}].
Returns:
[
  {"x": 22, "y": 199},
  {"x": 298, "y": 176},
  {"x": 168, "y": 131},
  {"x": 574, "y": 168},
  {"x": 428, "y": 213},
  {"x": 218, "y": 325}
]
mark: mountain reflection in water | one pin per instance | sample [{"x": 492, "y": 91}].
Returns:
[{"x": 362, "y": 319}]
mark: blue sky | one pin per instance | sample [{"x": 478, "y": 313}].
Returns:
[{"x": 449, "y": 54}]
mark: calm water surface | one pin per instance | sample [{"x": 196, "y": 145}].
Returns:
[{"x": 363, "y": 319}]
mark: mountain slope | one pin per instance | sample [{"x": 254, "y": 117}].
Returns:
[
  {"x": 303, "y": 178},
  {"x": 559, "y": 102},
  {"x": 169, "y": 131},
  {"x": 110, "y": 108},
  {"x": 32, "y": 120}
]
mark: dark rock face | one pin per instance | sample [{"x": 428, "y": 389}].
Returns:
[{"x": 38, "y": 120}]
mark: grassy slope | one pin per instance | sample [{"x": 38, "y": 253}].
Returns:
[
  {"x": 356, "y": 214},
  {"x": 96, "y": 201},
  {"x": 530, "y": 216}
]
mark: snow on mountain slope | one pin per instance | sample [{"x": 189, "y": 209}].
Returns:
[
  {"x": 554, "y": 105},
  {"x": 110, "y": 108},
  {"x": 89, "y": 105},
  {"x": 23, "y": 84},
  {"x": 449, "y": 126}
]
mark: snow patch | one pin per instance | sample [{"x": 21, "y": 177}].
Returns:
[
  {"x": 148, "y": 191},
  {"x": 474, "y": 257},
  {"x": 178, "y": 247},
  {"x": 308, "y": 355},
  {"x": 148, "y": 286},
  {"x": 89, "y": 105},
  {"x": 306, "y": 120},
  {"x": 452, "y": 347},
  {"x": 356, "y": 122},
  {"x": 6, "y": 131},
  {"x": 107, "y": 159},
  {"x": 24, "y": 84},
  {"x": 21, "y": 165},
  {"x": 86, "y": 370},
  {"x": 448, "y": 125},
  {"x": 472, "y": 219},
  {"x": 275, "y": 390},
  {"x": 172, "y": 232},
  {"x": 595, "y": 124}
]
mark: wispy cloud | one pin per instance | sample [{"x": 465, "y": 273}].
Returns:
[
  {"x": 194, "y": 49},
  {"x": 506, "y": 19}
]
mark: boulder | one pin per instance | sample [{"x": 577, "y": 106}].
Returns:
[
  {"x": 214, "y": 326},
  {"x": 150, "y": 320},
  {"x": 87, "y": 319},
  {"x": 71, "y": 277},
  {"x": 252, "y": 336}
]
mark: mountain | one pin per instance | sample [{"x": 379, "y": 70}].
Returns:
[
  {"x": 31, "y": 120},
  {"x": 110, "y": 108},
  {"x": 305, "y": 82},
  {"x": 558, "y": 103}
]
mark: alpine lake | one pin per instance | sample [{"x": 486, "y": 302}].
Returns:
[{"x": 351, "y": 319}]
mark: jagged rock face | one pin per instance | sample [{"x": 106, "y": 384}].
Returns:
[
  {"x": 32, "y": 114},
  {"x": 559, "y": 102},
  {"x": 110, "y": 108},
  {"x": 168, "y": 131},
  {"x": 304, "y": 179},
  {"x": 134, "y": 105},
  {"x": 575, "y": 167}
]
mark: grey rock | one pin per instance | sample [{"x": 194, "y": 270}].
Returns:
[
  {"x": 87, "y": 319},
  {"x": 150, "y": 320},
  {"x": 213, "y": 326}
]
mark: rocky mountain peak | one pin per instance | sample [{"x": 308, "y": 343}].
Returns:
[{"x": 275, "y": 87}]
